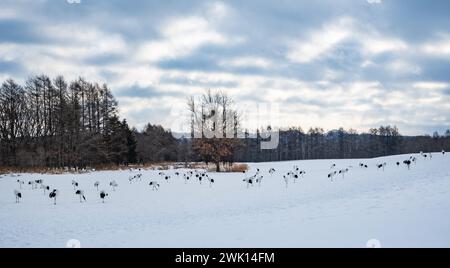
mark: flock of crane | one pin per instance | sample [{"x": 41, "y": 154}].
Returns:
[{"x": 201, "y": 176}]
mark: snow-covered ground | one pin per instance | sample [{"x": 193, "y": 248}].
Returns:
[{"x": 398, "y": 207}]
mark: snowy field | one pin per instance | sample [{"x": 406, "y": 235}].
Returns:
[{"x": 397, "y": 206}]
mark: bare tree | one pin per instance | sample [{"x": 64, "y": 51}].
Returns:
[{"x": 214, "y": 127}]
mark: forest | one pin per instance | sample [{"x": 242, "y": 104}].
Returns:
[{"x": 59, "y": 124}]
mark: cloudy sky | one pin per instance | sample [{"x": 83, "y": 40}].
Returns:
[{"x": 356, "y": 63}]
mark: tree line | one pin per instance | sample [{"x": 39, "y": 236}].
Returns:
[
  {"x": 296, "y": 144},
  {"x": 60, "y": 124},
  {"x": 53, "y": 123}
]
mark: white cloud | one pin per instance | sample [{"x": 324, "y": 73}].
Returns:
[
  {"x": 430, "y": 85},
  {"x": 65, "y": 54},
  {"x": 83, "y": 42},
  {"x": 325, "y": 39},
  {"x": 376, "y": 45},
  {"x": 403, "y": 67},
  {"x": 320, "y": 41},
  {"x": 217, "y": 10},
  {"x": 374, "y": 1},
  {"x": 438, "y": 47},
  {"x": 180, "y": 37},
  {"x": 367, "y": 64},
  {"x": 52, "y": 60},
  {"x": 245, "y": 62}
]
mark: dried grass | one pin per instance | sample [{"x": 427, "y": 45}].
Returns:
[{"x": 148, "y": 166}]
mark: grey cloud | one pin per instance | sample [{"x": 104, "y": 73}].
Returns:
[
  {"x": 10, "y": 67},
  {"x": 143, "y": 92},
  {"x": 266, "y": 28},
  {"x": 197, "y": 83},
  {"x": 14, "y": 31}
]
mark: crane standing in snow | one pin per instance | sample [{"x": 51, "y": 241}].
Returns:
[
  {"x": 18, "y": 195},
  {"x": 249, "y": 181},
  {"x": 96, "y": 184},
  {"x": 154, "y": 185},
  {"x": 20, "y": 182},
  {"x": 211, "y": 181},
  {"x": 331, "y": 175},
  {"x": 186, "y": 178},
  {"x": 45, "y": 188},
  {"x": 271, "y": 171},
  {"x": 407, "y": 163},
  {"x": 103, "y": 195},
  {"x": 53, "y": 194},
  {"x": 113, "y": 184},
  {"x": 343, "y": 171},
  {"x": 74, "y": 184},
  {"x": 80, "y": 193},
  {"x": 383, "y": 165},
  {"x": 286, "y": 179}
]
